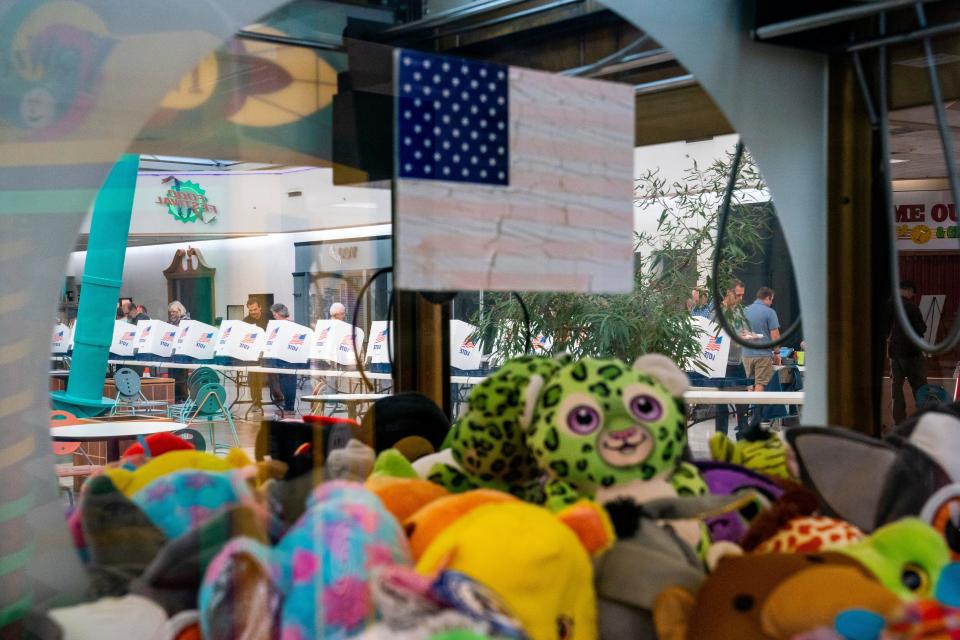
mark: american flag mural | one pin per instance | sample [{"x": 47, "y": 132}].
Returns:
[
  {"x": 509, "y": 178},
  {"x": 205, "y": 338},
  {"x": 382, "y": 337},
  {"x": 169, "y": 336},
  {"x": 250, "y": 338},
  {"x": 128, "y": 335}
]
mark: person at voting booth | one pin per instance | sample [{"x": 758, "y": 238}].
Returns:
[
  {"x": 287, "y": 382},
  {"x": 175, "y": 313},
  {"x": 256, "y": 316}
]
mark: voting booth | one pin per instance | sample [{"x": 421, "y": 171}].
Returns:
[
  {"x": 196, "y": 340},
  {"x": 343, "y": 336},
  {"x": 464, "y": 346},
  {"x": 156, "y": 338},
  {"x": 240, "y": 341},
  {"x": 332, "y": 342},
  {"x": 714, "y": 347},
  {"x": 287, "y": 342},
  {"x": 124, "y": 339},
  {"x": 381, "y": 342},
  {"x": 60, "y": 342}
]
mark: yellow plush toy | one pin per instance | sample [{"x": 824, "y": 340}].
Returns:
[
  {"x": 531, "y": 559},
  {"x": 129, "y": 482}
]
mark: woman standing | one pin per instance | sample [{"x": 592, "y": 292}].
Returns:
[{"x": 175, "y": 313}]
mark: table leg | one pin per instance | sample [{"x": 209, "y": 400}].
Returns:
[
  {"x": 113, "y": 449},
  {"x": 352, "y": 410}
]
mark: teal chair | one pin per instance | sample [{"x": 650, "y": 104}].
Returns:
[
  {"x": 195, "y": 381},
  {"x": 210, "y": 408},
  {"x": 130, "y": 399}
]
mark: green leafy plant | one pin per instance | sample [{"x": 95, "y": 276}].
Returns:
[{"x": 670, "y": 261}]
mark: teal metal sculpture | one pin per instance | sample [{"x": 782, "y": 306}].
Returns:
[{"x": 102, "y": 277}]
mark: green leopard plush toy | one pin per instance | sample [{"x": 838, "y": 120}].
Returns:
[
  {"x": 554, "y": 431},
  {"x": 488, "y": 441},
  {"x": 603, "y": 430}
]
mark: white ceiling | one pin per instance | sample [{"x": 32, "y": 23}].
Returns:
[{"x": 914, "y": 138}]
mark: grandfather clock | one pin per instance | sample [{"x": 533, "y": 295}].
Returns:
[{"x": 192, "y": 282}]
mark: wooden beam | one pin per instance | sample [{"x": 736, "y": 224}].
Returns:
[
  {"x": 680, "y": 114},
  {"x": 858, "y": 288}
]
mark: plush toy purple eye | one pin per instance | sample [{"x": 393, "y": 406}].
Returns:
[
  {"x": 646, "y": 408},
  {"x": 583, "y": 419}
]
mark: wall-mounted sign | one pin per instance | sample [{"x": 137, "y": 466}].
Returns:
[
  {"x": 926, "y": 221},
  {"x": 186, "y": 201}
]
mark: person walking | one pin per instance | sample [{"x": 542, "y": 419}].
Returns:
[{"x": 907, "y": 362}]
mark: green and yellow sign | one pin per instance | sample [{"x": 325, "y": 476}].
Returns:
[{"x": 187, "y": 202}]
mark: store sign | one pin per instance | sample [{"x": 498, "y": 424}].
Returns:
[
  {"x": 186, "y": 201},
  {"x": 926, "y": 221}
]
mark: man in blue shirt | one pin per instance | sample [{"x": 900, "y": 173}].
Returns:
[{"x": 763, "y": 322}]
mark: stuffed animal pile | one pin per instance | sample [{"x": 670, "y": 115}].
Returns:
[{"x": 563, "y": 504}]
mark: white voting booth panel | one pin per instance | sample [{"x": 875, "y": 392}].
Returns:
[
  {"x": 60, "y": 341},
  {"x": 714, "y": 347},
  {"x": 196, "y": 339},
  {"x": 380, "y": 343},
  {"x": 288, "y": 341},
  {"x": 332, "y": 342},
  {"x": 124, "y": 338},
  {"x": 342, "y": 339},
  {"x": 464, "y": 346},
  {"x": 156, "y": 337},
  {"x": 73, "y": 334},
  {"x": 321, "y": 347},
  {"x": 240, "y": 340}
]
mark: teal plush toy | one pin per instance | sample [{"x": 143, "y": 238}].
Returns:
[{"x": 588, "y": 428}]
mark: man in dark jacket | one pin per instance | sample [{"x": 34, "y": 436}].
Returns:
[{"x": 906, "y": 360}]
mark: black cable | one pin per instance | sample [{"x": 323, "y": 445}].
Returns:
[
  {"x": 526, "y": 321},
  {"x": 946, "y": 142},
  {"x": 715, "y": 268},
  {"x": 353, "y": 322},
  {"x": 390, "y": 329}
]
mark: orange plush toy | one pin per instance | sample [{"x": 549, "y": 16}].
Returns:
[
  {"x": 426, "y": 524},
  {"x": 403, "y": 497}
]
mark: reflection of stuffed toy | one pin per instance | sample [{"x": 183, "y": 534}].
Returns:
[
  {"x": 409, "y": 422},
  {"x": 778, "y": 595},
  {"x": 925, "y": 619},
  {"x": 404, "y": 496},
  {"x": 791, "y": 526},
  {"x": 414, "y": 607},
  {"x": 130, "y": 482},
  {"x": 530, "y": 559},
  {"x": 314, "y": 583},
  {"x": 183, "y": 500},
  {"x": 769, "y": 596},
  {"x": 427, "y": 523},
  {"x": 766, "y": 453},
  {"x": 906, "y": 470},
  {"x": 588, "y": 426},
  {"x": 158, "y": 444},
  {"x": 646, "y": 559},
  {"x": 601, "y": 428},
  {"x": 487, "y": 442},
  {"x": 726, "y": 479}
]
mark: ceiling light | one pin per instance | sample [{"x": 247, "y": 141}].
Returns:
[{"x": 897, "y": 160}]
